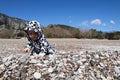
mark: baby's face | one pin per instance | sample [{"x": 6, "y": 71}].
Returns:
[{"x": 33, "y": 35}]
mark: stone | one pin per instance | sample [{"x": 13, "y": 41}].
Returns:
[{"x": 37, "y": 75}]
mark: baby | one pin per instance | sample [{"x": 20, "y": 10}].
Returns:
[{"x": 37, "y": 43}]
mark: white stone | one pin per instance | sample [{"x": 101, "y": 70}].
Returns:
[
  {"x": 50, "y": 69},
  {"x": 46, "y": 61},
  {"x": 42, "y": 54},
  {"x": 7, "y": 63},
  {"x": 103, "y": 78},
  {"x": 37, "y": 75},
  {"x": 101, "y": 64},
  {"x": 117, "y": 70},
  {"x": 33, "y": 61},
  {"x": 79, "y": 70},
  {"x": 39, "y": 64},
  {"x": 4, "y": 59},
  {"x": 62, "y": 75},
  {"x": 96, "y": 56},
  {"x": 2, "y": 66}
]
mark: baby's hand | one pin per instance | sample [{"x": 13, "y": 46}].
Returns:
[{"x": 26, "y": 50}]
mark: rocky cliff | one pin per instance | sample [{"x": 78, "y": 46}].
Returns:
[
  {"x": 10, "y": 27},
  {"x": 11, "y": 22}
]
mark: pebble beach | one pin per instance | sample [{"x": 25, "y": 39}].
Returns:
[{"x": 75, "y": 59}]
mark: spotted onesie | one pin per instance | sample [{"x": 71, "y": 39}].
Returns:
[{"x": 40, "y": 45}]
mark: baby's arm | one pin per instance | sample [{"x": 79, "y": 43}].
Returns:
[
  {"x": 28, "y": 47},
  {"x": 46, "y": 48}
]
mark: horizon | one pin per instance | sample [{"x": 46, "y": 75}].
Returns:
[{"x": 102, "y": 15}]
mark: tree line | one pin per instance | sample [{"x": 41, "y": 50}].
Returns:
[
  {"x": 62, "y": 31},
  {"x": 11, "y": 27}
]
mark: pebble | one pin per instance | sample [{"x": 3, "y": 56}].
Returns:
[
  {"x": 37, "y": 75},
  {"x": 94, "y": 65}
]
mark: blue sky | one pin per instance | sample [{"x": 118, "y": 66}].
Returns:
[{"x": 101, "y": 15}]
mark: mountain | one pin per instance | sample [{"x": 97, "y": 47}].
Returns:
[
  {"x": 61, "y": 31},
  {"x": 11, "y": 22},
  {"x": 11, "y": 27}
]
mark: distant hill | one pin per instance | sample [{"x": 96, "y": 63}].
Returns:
[
  {"x": 11, "y": 27},
  {"x": 61, "y": 31},
  {"x": 11, "y": 22}
]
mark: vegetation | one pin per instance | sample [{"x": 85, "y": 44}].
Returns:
[
  {"x": 61, "y": 31},
  {"x": 11, "y": 27}
]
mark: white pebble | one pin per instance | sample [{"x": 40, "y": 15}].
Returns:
[{"x": 37, "y": 75}]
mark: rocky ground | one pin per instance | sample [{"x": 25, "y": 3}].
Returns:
[{"x": 75, "y": 59}]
